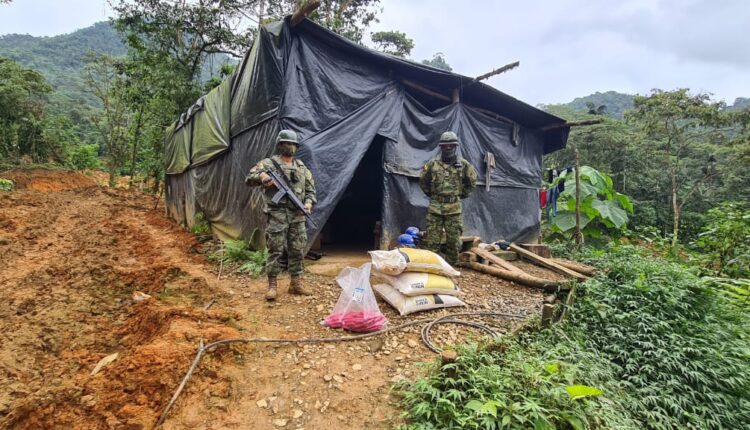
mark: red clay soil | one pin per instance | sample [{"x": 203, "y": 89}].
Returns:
[{"x": 71, "y": 258}]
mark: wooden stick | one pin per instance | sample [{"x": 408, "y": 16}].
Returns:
[
  {"x": 573, "y": 124},
  {"x": 503, "y": 69},
  {"x": 520, "y": 278},
  {"x": 176, "y": 394},
  {"x": 495, "y": 115},
  {"x": 303, "y": 11},
  {"x": 497, "y": 260},
  {"x": 545, "y": 262}
]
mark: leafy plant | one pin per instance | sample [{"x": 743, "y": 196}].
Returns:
[
  {"x": 602, "y": 208},
  {"x": 6, "y": 185},
  {"x": 725, "y": 241},
  {"x": 239, "y": 251},
  {"x": 648, "y": 345},
  {"x": 200, "y": 225},
  {"x": 81, "y": 157}
]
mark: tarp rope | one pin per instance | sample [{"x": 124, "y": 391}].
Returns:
[{"x": 429, "y": 323}]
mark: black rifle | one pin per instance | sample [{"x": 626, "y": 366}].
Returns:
[{"x": 285, "y": 190}]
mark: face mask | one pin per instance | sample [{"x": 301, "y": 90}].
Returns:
[
  {"x": 448, "y": 154},
  {"x": 287, "y": 149}
]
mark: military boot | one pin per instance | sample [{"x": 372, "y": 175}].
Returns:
[
  {"x": 271, "y": 293},
  {"x": 295, "y": 287}
]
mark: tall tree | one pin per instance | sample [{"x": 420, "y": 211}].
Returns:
[
  {"x": 682, "y": 129},
  {"x": 438, "y": 61},
  {"x": 106, "y": 79},
  {"x": 393, "y": 43}
]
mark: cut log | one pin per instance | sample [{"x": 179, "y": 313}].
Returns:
[
  {"x": 469, "y": 242},
  {"x": 548, "y": 311},
  {"x": 578, "y": 267},
  {"x": 539, "y": 249},
  {"x": 506, "y": 255},
  {"x": 303, "y": 11},
  {"x": 503, "y": 69},
  {"x": 467, "y": 257},
  {"x": 546, "y": 262},
  {"x": 520, "y": 278},
  {"x": 487, "y": 255}
]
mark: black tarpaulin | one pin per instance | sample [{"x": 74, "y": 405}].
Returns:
[{"x": 340, "y": 98}]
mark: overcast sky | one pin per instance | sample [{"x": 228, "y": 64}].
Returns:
[{"x": 567, "y": 48}]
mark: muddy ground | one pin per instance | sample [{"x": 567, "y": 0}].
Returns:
[{"x": 72, "y": 254}]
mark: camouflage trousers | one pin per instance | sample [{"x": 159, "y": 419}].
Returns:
[
  {"x": 285, "y": 230},
  {"x": 452, "y": 226}
]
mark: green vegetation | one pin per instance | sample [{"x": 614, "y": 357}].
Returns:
[
  {"x": 240, "y": 254},
  {"x": 602, "y": 208},
  {"x": 665, "y": 350},
  {"x": 200, "y": 226},
  {"x": 6, "y": 185}
]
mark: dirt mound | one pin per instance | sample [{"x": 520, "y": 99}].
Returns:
[{"x": 48, "y": 180}]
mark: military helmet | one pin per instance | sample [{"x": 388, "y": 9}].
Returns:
[
  {"x": 287, "y": 136},
  {"x": 448, "y": 138}
]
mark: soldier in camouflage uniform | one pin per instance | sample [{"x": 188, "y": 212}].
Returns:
[
  {"x": 446, "y": 180},
  {"x": 285, "y": 227}
]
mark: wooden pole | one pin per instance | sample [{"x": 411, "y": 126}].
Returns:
[
  {"x": 573, "y": 124},
  {"x": 520, "y": 278},
  {"x": 546, "y": 262},
  {"x": 455, "y": 95},
  {"x": 503, "y": 69},
  {"x": 304, "y": 10},
  {"x": 494, "y": 259},
  {"x": 578, "y": 267}
]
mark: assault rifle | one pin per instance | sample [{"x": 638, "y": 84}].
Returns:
[{"x": 285, "y": 190}]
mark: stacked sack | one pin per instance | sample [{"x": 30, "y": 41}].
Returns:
[{"x": 417, "y": 280}]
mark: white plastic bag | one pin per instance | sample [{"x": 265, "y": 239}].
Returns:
[
  {"x": 418, "y": 284},
  {"x": 357, "y": 309},
  {"x": 402, "y": 260},
  {"x": 406, "y": 305}
]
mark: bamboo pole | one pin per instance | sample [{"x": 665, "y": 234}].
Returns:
[{"x": 497, "y": 71}]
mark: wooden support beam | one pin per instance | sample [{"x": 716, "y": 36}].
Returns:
[
  {"x": 503, "y": 69},
  {"x": 546, "y": 262},
  {"x": 455, "y": 95},
  {"x": 304, "y": 10},
  {"x": 496, "y": 260},
  {"x": 520, "y": 278},
  {"x": 468, "y": 242},
  {"x": 573, "y": 124},
  {"x": 423, "y": 89},
  {"x": 548, "y": 311}
]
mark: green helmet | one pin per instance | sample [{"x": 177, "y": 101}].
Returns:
[
  {"x": 287, "y": 136},
  {"x": 448, "y": 138}
]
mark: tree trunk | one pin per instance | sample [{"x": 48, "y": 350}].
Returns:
[
  {"x": 112, "y": 175},
  {"x": 136, "y": 138},
  {"x": 675, "y": 211},
  {"x": 578, "y": 233}
]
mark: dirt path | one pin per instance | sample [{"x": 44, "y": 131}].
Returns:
[{"x": 70, "y": 259}]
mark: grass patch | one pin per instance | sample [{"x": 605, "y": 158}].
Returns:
[
  {"x": 238, "y": 254},
  {"x": 649, "y": 345}
]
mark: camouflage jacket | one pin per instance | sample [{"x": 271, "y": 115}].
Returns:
[
  {"x": 446, "y": 184},
  {"x": 297, "y": 175}
]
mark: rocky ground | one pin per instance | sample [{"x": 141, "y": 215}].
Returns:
[{"x": 72, "y": 255}]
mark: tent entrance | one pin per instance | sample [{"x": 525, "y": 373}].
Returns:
[{"x": 355, "y": 222}]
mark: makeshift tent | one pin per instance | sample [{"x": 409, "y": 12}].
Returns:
[{"x": 368, "y": 122}]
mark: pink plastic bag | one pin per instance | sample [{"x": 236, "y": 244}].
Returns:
[{"x": 356, "y": 310}]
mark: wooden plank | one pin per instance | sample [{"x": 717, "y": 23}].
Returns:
[
  {"x": 487, "y": 255},
  {"x": 520, "y": 278},
  {"x": 545, "y": 262}
]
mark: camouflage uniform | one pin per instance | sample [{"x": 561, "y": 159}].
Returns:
[
  {"x": 445, "y": 185},
  {"x": 285, "y": 226}
]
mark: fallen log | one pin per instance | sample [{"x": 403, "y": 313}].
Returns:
[
  {"x": 520, "y": 278},
  {"x": 578, "y": 267},
  {"x": 496, "y": 260},
  {"x": 546, "y": 262}
]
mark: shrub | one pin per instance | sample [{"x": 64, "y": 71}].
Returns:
[
  {"x": 6, "y": 185},
  {"x": 239, "y": 252},
  {"x": 81, "y": 157}
]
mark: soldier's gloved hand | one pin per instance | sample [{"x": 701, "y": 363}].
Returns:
[{"x": 266, "y": 180}]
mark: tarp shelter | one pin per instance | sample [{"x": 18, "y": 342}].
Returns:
[{"x": 368, "y": 122}]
